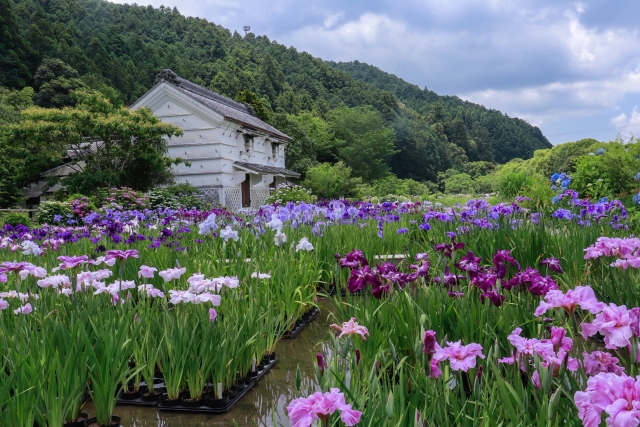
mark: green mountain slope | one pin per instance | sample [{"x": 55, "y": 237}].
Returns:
[
  {"x": 125, "y": 46},
  {"x": 510, "y": 137}
]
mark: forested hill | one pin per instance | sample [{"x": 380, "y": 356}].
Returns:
[
  {"x": 331, "y": 108},
  {"x": 510, "y": 137}
]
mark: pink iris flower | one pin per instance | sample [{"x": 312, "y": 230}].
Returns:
[
  {"x": 3, "y": 304},
  {"x": 616, "y": 395},
  {"x": 319, "y": 406},
  {"x": 15, "y": 266},
  {"x": 530, "y": 346},
  {"x": 121, "y": 255},
  {"x": 172, "y": 273},
  {"x": 461, "y": 357},
  {"x": 32, "y": 270},
  {"x": 351, "y": 328},
  {"x": 55, "y": 281},
  {"x": 69, "y": 262},
  {"x": 25, "y": 309},
  {"x": 601, "y": 361},
  {"x": 560, "y": 340},
  {"x": 146, "y": 271},
  {"x": 212, "y": 314},
  {"x": 614, "y": 322},
  {"x": 581, "y": 296}
]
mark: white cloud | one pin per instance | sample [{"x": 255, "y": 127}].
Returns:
[
  {"x": 543, "y": 64},
  {"x": 332, "y": 19},
  {"x": 541, "y": 60},
  {"x": 628, "y": 125}
]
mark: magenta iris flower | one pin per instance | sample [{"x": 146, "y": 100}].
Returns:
[
  {"x": 319, "y": 406},
  {"x": 493, "y": 296},
  {"x": 553, "y": 264},
  {"x": 469, "y": 262},
  {"x": 430, "y": 343}
]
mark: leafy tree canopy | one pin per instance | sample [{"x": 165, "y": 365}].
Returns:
[{"x": 108, "y": 146}]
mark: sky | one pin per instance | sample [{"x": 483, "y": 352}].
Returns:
[{"x": 571, "y": 68}]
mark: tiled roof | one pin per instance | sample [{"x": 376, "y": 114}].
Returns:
[
  {"x": 228, "y": 108},
  {"x": 269, "y": 170},
  {"x": 65, "y": 169},
  {"x": 36, "y": 190}
]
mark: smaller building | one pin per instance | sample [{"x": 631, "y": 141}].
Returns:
[{"x": 236, "y": 158}]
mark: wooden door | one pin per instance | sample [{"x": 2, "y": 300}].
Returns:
[{"x": 246, "y": 191}]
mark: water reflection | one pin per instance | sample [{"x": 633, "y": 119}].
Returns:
[{"x": 265, "y": 404}]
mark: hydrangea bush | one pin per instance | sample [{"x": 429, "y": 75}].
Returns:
[
  {"x": 123, "y": 199},
  {"x": 286, "y": 193},
  {"x": 53, "y": 212}
]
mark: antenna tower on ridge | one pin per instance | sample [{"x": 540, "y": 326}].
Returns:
[{"x": 246, "y": 29}]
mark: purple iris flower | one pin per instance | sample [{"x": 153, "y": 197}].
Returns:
[
  {"x": 425, "y": 227},
  {"x": 553, "y": 264},
  {"x": 495, "y": 298},
  {"x": 469, "y": 262}
]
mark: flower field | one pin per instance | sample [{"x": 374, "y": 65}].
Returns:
[{"x": 467, "y": 315}]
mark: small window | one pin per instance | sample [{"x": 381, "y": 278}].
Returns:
[
  {"x": 275, "y": 150},
  {"x": 248, "y": 143}
]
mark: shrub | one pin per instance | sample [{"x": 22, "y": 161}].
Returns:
[
  {"x": 540, "y": 193},
  {"x": 459, "y": 184},
  {"x": 394, "y": 185},
  {"x": 290, "y": 193},
  {"x": 53, "y": 212},
  {"x": 512, "y": 184},
  {"x": 176, "y": 197},
  {"x": 610, "y": 173},
  {"x": 486, "y": 184},
  {"x": 81, "y": 206},
  {"x": 331, "y": 181},
  {"x": 123, "y": 199},
  {"x": 17, "y": 218}
]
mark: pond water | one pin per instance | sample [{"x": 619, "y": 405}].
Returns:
[{"x": 265, "y": 404}]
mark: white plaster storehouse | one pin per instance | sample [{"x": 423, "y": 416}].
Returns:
[{"x": 236, "y": 158}]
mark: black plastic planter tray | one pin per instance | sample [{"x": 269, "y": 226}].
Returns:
[
  {"x": 206, "y": 409},
  {"x": 201, "y": 409},
  {"x": 265, "y": 369},
  {"x": 328, "y": 289},
  {"x": 296, "y": 331},
  {"x": 139, "y": 402}
]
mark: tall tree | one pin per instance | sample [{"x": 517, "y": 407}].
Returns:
[
  {"x": 362, "y": 141},
  {"x": 54, "y": 83},
  {"x": 13, "y": 49},
  {"x": 108, "y": 146}
]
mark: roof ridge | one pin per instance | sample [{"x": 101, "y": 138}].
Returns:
[{"x": 171, "y": 77}]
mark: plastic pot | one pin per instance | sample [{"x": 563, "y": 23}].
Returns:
[
  {"x": 79, "y": 422},
  {"x": 93, "y": 422}
]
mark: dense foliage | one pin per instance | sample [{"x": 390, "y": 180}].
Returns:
[
  {"x": 104, "y": 145},
  {"x": 392, "y": 126}
]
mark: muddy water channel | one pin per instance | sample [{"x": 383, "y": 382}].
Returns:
[{"x": 264, "y": 405}]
